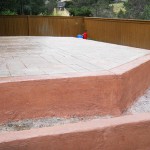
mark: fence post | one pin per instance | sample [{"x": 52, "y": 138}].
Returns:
[{"x": 28, "y": 24}]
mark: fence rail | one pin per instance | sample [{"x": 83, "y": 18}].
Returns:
[{"x": 134, "y": 33}]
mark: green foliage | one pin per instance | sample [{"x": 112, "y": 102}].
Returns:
[
  {"x": 68, "y": 4},
  {"x": 136, "y": 9},
  {"x": 80, "y": 3},
  {"x": 121, "y": 14},
  {"x": 50, "y": 6},
  {"x": 102, "y": 8},
  {"x": 28, "y": 7},
  {"x": 31, "y": 7},
  {"x": 146, "y": 13},
  {"x": 8, "y": 12},
  {"x": 83, "y": 11},
  {"x": 98, "y": 8},
  {"x": 8, "y": 5},
  {"x": 79, "y": 7}
]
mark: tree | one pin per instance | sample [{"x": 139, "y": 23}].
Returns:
[
  {"x": 136, "y": 9},
  {"x": 98, "y": 8},
  {"x": 102, "y": 8},
  {"x": 8, "y": 6},
  {"x": 8, "y": 12},
  {"x": 31, "y": 7},
  {"x": 121, "y": 14},
  {"x": 146, "y": 13},
  {"x": 51, "y": 4},
  {"x": 82, "y": 11},
  {"x": 80, "y": 7},
  {"x": 26, "y": 7}
]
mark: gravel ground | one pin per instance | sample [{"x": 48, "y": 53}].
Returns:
[
  {"x": 140, "y": 106},
  {"x": 43, "y": 122}
]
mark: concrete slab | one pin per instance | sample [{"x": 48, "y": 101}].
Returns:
[
  {"x": 26, "y": 56},
  {"x": 63, "y": 77}
]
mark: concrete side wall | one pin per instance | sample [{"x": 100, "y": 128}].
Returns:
[
  {"x": 122, "y": 133},
  {"x": 100, "y": 94},
  {"x": 135, "y": 80},
  {"x": 83, "y": 96}
]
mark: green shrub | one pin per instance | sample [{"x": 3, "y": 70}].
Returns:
[
  {"x": 83, "y": 11},
  {"x": 8, "y": 12},
  {"x": 146, "y": 13}
]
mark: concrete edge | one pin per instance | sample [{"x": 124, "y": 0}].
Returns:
[
  {"x": 117, "y": 71},
  {"x": 55, "y": 137}
]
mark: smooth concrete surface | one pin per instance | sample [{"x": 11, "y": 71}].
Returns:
[
  {"x": 22, "y": 56},
  {"x": 107, "y": 91},
  {"x": 120, "y": 133}
]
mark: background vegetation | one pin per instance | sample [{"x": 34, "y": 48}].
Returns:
[{"x": 131, "y": 9}]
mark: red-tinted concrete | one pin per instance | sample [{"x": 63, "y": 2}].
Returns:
[
  {"x": 121, "y": 133},
  {"x": 135, "y": 80},
  {"x": 70, "y": 96},
  {"x": 55, "y": 76},
  {"x": 74, "y": 95}
]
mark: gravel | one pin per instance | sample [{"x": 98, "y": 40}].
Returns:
[
  {"x": 141, "y": 105},
  {"x": 43, "y": 122}
]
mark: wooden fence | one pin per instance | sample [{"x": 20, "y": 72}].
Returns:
[
  {"x": 134, "y": 33},
  {"x": 40, "y": 26},
  {"x": 13, "y": 25}
]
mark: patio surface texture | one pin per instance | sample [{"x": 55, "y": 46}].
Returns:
[
  {"x": 68, "y": 77},
  {"x": 65, "y": 78},
  {"x": 23, "y": 56}
]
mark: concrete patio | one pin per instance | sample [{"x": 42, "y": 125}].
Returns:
[
  {"x": 26, "y": 56},
  {"x": 43, "y": 77},
  {"x": 55, "y": 76}
]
